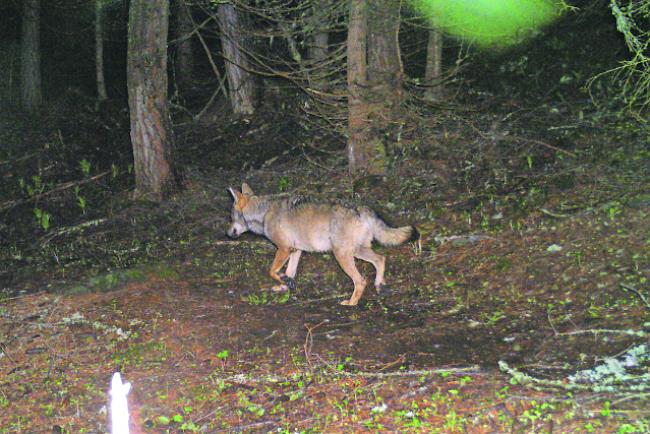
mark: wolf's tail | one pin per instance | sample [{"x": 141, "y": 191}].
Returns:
[{"x": 388, "y": 236}]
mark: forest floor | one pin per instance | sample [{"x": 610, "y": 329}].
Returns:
[{"x": 524, "y": 309}]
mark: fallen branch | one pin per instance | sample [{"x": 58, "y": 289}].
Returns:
[
  {"x": 635, "y": 333},
  {"x": 538, "y": 383},
  {"x": 623, "y": 374},
  {"x": 24, "y": 157},
  {"x": 554, "y": 214},
  {"x": 415, "y": 372},
  {"x": 270, "y": 378},
  {"x": 64, "y": 186},
  {"x": 463, "y": 238},
  {"x": 76, "y": 228}
]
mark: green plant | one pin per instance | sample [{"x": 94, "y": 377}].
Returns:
[
  {"x": 613, "y": 210},
  {"x": 32, "y": 189},
  {"x": 81, "y": 201},
  {"x": 538, "y": 411},
  {"x": 493, "y": 318},
  {"x": 283, "y": 183},
  {"x": 606, "y": 411},
  {"x": 249, "y": 406},
  {"x": 42, "y": 218},
  {"x": 85, "y": 165},
  {"x": 453, "y": 422},
  {"x": 257, "y": 300},
  {"x": 578, "y": 256}
]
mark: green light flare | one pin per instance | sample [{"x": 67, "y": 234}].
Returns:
[{"x": 489, "y": 22}]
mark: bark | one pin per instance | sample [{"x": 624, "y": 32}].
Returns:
[
  {"x": 99, "y": 50},
  {"x": 184, "y": 54},
  {"x": 31, "y": 96},
  {"x": 151, "y": 133},
  {"x": 385, "y": 74},
  {"x": 319, "y": 43},
  {"x": 362, "y": 155},
  {"x": 318, "y": 47},
  {"x": 433, "y": 69},
  {"x": 240, "y": 82}
]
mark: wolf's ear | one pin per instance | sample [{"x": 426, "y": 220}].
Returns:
[
  {"x": 246, "y": 189},
  {"x": 235, "y": 194}
]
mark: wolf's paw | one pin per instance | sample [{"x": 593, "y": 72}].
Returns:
[
  {"x": 279, "y": 288},
  {"x": 289, "y": 282},
  {"x": 383, "y": 290},
  {"x": 349, "y": 302}
]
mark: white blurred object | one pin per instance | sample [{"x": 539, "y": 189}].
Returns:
[{"x": 119, "y": 405}]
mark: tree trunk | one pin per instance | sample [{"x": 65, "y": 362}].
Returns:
[
  {"x": 318, "y": 48},
  {"x": 31, "y": 96},
  {"x": 240, "y": 83},
  {"x": 433, "y": 70},
  {"x": 319, "y": 43},
  {"x": 99, "y": 50},
  {"x": 151, "y": 133},
  {"x": 184, "y": 55},
  {"x": 385, "y": 75},
  {"x": 363, "y": 157}
]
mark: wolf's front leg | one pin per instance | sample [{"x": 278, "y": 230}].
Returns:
[{"x": 280, "y": 259}]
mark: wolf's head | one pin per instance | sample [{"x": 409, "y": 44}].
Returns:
[{"x": 238, "y": 224}]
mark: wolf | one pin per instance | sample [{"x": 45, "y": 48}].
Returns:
[{"x": 296, "y": 224}]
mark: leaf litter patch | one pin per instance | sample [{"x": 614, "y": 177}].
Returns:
[{"x": 207, "y": 349}]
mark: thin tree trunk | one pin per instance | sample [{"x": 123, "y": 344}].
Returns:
[
  {"x": 433, "y": 69},
  {"x": 151, "y": 132},
  {"x": 99, "y": 50},
  {"x": 240, "y": 83},
  {"x": 184, "y": 54},
  {"x": 318, "y": 48},
  {"x": 362, "y": 157},
  {"x": 320, "y": 36},
  {"x": 31, "y": 96},
  {"x": 386, "y": 78}
]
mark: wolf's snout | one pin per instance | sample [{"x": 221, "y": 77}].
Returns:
[
  {"x": 236, "y": 229},
  {"x": 232, "y": 232}
]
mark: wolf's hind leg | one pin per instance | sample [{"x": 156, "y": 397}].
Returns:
[
  {"x": 377, "y": 260},
  {"x": 345, "y": 259},
  {"x": 292, "y": 267}
]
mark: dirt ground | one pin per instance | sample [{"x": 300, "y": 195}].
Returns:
[{"x": 207, "y": 348}]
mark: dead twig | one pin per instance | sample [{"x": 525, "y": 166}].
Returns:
[
  {"x": 538, "y": 142},
  {"x": 401, "y": 359},
  {"x": 632, "y": 289},
  {"x": 309, "y": 341},
  {"x": 548, "y": 315}
]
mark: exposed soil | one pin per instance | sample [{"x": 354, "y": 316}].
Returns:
[{"x": 208, "y": 349}]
